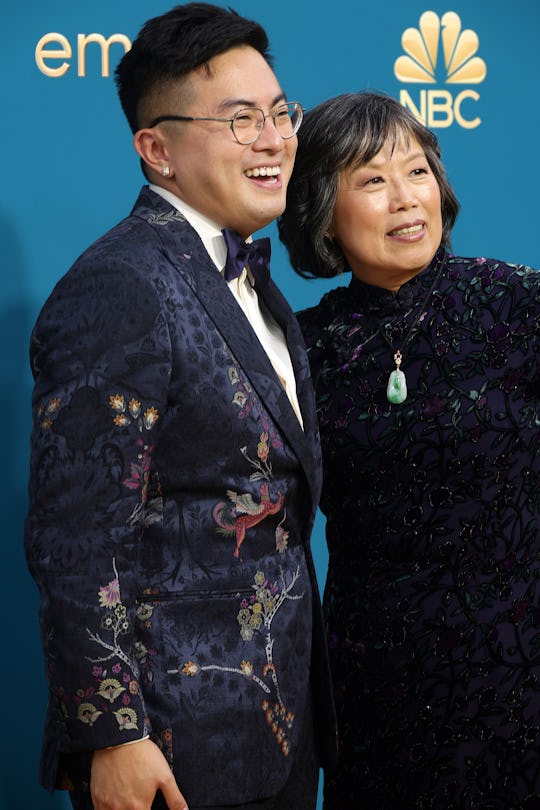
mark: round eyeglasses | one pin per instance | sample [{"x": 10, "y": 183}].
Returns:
[{"x": 247, "y": 124}]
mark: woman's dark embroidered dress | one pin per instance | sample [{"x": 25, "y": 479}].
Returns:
[{"x": 433, "y": 523}]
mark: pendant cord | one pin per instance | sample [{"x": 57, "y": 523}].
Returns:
[{"x": 398, "y": 354}]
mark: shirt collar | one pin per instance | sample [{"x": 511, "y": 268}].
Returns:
[{"x": 208, "y": 230}]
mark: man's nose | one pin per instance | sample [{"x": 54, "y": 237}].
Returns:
[{"x": 269, "y": 137}]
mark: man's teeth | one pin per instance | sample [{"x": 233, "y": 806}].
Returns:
[
  {"x": 263, "y": 171},
  {"x": 411, "y": 229}
]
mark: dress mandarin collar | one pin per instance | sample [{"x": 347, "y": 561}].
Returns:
[{"x": 379, "y": 299}]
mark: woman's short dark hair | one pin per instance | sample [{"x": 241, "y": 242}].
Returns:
[
  {"x": 169, "y": 47},
  {"x": 345, "y": 132}
]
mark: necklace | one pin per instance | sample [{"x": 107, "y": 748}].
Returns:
[{"x": 396, "y": 389}]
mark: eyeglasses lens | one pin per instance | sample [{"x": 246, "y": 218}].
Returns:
[{"x": 248, "y": 124}]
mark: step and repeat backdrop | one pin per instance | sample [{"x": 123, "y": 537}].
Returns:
[{"x": 470, "y": 69}]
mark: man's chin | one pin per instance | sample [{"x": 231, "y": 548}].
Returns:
[{"x": 267, "y": 215}]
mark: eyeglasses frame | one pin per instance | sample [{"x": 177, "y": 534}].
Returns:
[{"x": 296, "y": 104}]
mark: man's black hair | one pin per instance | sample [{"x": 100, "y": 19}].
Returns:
[{"x": 170, "y": 46}]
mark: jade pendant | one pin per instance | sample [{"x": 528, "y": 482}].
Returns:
[{"x": 396, "y": 390}]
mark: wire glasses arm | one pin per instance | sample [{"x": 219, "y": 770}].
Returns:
[{"x": 161, "y": 118}]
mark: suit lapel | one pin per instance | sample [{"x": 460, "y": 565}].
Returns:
[
  {"x": 280, "y": 310},
  {"x": 233, "y": 325},
  {"x": 186, "y": 252}
]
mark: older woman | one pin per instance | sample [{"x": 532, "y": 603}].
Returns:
[{"x": 428, "y": 389}]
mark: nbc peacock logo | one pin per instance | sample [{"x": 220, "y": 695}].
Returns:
[{"x": 422, "y": 64}]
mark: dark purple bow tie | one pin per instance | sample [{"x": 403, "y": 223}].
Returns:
[{"x": 256, "y": 254}]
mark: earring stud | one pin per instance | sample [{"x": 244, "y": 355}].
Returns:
[{"x": 165, "y": 171}]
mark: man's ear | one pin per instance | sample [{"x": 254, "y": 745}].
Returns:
[{"x": 149, "y": 145}]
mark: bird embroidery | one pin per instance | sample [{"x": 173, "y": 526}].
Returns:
[{"x": 243, "y": 512}]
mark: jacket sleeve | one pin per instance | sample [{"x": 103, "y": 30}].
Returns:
[{"x": 100, "y": 355}]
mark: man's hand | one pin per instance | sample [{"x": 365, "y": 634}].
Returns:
[{"x": 127, "y": 777}]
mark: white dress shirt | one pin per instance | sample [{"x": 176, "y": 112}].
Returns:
[{"x": 264, "y": 325}]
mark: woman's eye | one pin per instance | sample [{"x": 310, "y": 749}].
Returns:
[{"x": 365, "y": 182}]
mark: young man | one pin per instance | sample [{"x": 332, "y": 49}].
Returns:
[{"x": 175, "y": 460}]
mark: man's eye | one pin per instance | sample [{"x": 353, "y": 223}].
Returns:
[{"x": 245, "y": 117}]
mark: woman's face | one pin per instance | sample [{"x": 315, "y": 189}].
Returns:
[{"x": 387, "y": 217}]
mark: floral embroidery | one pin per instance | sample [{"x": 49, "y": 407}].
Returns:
[
  {"x": 127, "y": 718},
  {"x": 110, "y": 689},
  {"x": 150, "y": 509},
  {"x": 256, "y": 614},
  {"x": 114, "y": 686},
  {"x": 109, "y": 595},
  {"x": 279, "y": 719},
  {"x": 260, "y": 608},
  {"x": 144, "y": 658},
  {"x": 114, "y": 620},
  {"x": 242, "y": 511},
  {"x": 164, "y": 743},
  {"x": 246, "y": 668},
  {"x": 263, "y": 468},
  {"x": 282, "y": 536},
  {"x": 117, "y": 402},
  {"x": 165, "y": 218},
  {"x": 144, "y": 613},
  {"x": 247, "y": 402},
  {"x": 148, "y": 418},
  {"x": 88, "y": 713},
  {"x": 46, "y": 412},
  {"x": 262, "y": 447}
]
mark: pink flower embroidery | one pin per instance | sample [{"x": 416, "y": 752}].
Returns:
[
  {"x": 109, "y": 595},
  {"x": 262, "y": 447}
]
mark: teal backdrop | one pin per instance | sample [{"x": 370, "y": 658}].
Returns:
[{"x": 69, "y": 173}]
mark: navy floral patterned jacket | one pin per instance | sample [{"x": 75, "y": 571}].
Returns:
[{"x": 173, "y": 493}]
